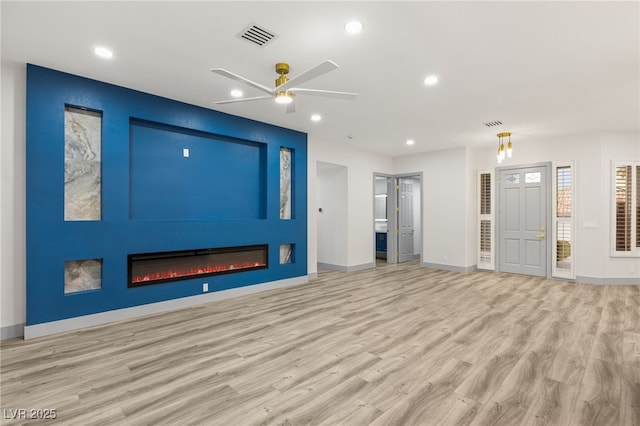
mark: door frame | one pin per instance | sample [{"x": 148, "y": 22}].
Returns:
[
  {"x": 548, "y": 167},
  {"x": 392, "y": 213}
]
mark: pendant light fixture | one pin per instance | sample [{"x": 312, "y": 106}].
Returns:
[{"x": 502, "y": 152}]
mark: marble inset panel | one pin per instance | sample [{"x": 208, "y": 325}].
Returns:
[
  {"x": 82, "y": 175},
  {"x": 82, "y": 275},
  {"x": 286, "y": 253},
  {"x": 285, "y": 183}
]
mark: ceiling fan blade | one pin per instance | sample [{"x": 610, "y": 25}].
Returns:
[
  {"x": 255, "y": 98},
  {"x": 291, "y": 107},
  {"x": 326, "y": 93},
  {"x": 314, "y": 72},
  {"x": 241, "y": 79}
]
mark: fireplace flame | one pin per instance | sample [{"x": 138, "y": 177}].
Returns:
[{"x": 202, "y": 270}]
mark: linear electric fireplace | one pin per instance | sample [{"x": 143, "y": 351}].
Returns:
[{"x": 155, "y": 268}]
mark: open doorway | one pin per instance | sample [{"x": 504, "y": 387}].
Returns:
[
  {"x": 383, "y": 207},
  {"x": 397, "y": 225}
]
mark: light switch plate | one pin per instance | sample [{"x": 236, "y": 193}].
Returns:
[{"x": 185, "y": 152}]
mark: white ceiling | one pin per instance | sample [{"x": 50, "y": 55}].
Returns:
[{"x": 542, "y": 68}]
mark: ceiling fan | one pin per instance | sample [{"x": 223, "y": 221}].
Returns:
[{"x": 286, "y": 88}]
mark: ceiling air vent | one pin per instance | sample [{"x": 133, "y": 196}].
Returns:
[
  {"x": 257, "y": 35},
  {"x": 493, "y": 123}
]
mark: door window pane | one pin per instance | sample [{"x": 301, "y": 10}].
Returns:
[
  {"x": 532, "y": 177},
  {"x": 512, "y": 178}
]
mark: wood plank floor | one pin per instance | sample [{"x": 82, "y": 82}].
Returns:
[{"x": 394, "y": 345}]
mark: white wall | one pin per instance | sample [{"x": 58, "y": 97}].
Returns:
[
  {"x": 619, "y": 146},
  {"x": 361, "y": 166},
  {"x": 592, "y": 154},
  {"x": 332, "y": 221},
  {"x": 12, "y": 195},
  {"x": 444, "y": 192}
]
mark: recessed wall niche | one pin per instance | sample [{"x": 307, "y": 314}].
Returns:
[
  {"x": 286, "y": 253},
  {"x": 82, "y": 168},
  {"x": 184, "y": 174},
  {"x": 82, "y": 275},
  {"x": 285, "y": 182}
]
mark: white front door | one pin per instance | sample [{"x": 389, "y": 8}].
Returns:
[{"x": 523, "y": 221}]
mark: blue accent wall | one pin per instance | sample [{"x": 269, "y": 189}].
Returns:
[{"x": 227, "y": 193}]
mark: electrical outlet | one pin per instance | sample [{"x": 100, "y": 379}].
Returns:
[
  {"x": 205, "y": 287},
  {"x": 185, "y": 152}
]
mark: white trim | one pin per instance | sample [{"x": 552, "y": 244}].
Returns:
[
  {"x": 608, "y": 281},
  {"x": 342, "y": 268},
  {"x": 53, "y": 327},
  {"x": 452, "y": 268},
  {"x": 11, "y": 331}
]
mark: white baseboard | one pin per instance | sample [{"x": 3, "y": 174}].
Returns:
[
  {"x": 608, "y": 281},
  {"x": 53, "y": 327},
  {"x": 452, "y": 268},
  {"x": 342, "y": 268},
  {"x": 11, "y": 331}
]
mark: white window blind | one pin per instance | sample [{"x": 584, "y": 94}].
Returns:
[
  {"x": 563, "y": 222},
  {"x": 626, "y": 209},
  {"x": 485, "y": 214}
]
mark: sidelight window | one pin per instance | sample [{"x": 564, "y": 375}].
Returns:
[{"x": 626, "y": 209}]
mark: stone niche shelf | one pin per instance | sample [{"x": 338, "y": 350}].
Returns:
[
  {"x": 82, "y": 164},
  {"x": 82, "y": 275}
]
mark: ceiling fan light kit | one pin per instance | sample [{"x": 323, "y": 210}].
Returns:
[
  {"x": 286, "y": 88},
  {"x": 284, "y": 98}
]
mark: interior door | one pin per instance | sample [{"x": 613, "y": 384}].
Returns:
[
  {"x": 523, "y": 221},
  {"x": 405, "y": 220}
]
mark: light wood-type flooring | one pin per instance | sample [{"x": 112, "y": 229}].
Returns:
[{"x": 394, "y": 345}]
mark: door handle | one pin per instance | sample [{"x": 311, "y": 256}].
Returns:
[{"x": 540, "y": 236}]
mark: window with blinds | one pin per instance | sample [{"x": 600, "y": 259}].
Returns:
[
  {"x": 485, "y": 216},
  {"x": 626, "y": 209},
  {"x": 564, "y": 247}
]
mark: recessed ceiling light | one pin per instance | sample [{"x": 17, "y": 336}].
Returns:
[
  {"x": 316, "y": 117},
  {"x": 430, "y": 80},
  {"x": 103, "y": 52},
  {"x": 353, "y": 27},
  {"x": 410, "y": 141},
  {"x": 236, "y": 93}
]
